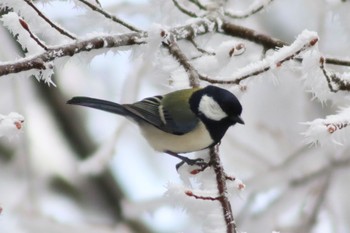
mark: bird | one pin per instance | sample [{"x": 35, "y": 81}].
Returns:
[{"x": 181, "y": 121}]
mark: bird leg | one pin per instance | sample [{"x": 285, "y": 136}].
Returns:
[{"x": 199, "y": 162}]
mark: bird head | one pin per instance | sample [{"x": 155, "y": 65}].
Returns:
[{"x": 216, "y": 104}]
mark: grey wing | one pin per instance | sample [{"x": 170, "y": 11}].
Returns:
[{"x": 152, "y": 111}]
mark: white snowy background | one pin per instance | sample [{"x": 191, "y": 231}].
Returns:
[{"x": 292, "y": 154}]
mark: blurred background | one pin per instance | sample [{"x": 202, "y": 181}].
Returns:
[{"x": 81, "y": 169}]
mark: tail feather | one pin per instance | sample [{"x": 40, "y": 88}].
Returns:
[{"x": 98, "y": 104}]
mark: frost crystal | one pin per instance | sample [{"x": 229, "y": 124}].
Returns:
[
  {"x": 313, "y": 78},
  {"x": 46, "y": 75},
  {"x": 12, "y": 22}
]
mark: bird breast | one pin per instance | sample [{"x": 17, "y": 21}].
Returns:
[{"x": 195, "y": 140}]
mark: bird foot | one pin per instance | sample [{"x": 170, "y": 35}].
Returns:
[{"x": 191, "y": 162}]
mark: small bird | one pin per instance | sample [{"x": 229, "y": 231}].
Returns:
[{"x": 182, "y": 121}]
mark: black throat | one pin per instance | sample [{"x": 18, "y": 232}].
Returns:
[{"x": 217, "y": 129}]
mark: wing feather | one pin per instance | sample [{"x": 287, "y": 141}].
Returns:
[{"x": 170, "y": 113}]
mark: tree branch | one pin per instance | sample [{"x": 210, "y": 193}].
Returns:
[
  {"x": 39, "y": 61},
  {"x": 222, "y": 189},
  {"x": 176, "y": 52},
  {"x": 110, "y": 41},
  {"x": 200, "y": 27}
]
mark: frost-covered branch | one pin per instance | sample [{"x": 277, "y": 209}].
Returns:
[
  {"x": 334, "y": 128},
  {"x": 255, "y": 7},
  {"x": 303, "y": 42},
  {"x": 39, "y": 62},
  {"x": 191, "y": 30}
]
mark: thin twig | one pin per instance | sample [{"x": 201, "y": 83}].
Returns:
[
  {"x": 34, "y": 37},
  {"x": 333, "y": 165},
  {"x": 194, "y": 43},
  {"x": 312, "y": 220},
  {"x": 340, "y": 84},
  {"x": 98, "y": 3},
  {"x": 336, "y": 61},
  {"x": 184, "y": 10},
  {"x": 198, "y": 4},
  {"x": 110, "y": 16},
  {"x": 58, "y": 28},
  {"x": 255, "y": 9},
  {"x": 251, "y": 35},
  {"x": 222, "y": 190}
]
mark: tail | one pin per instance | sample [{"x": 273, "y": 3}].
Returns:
[{"x": 98, "y": 104}]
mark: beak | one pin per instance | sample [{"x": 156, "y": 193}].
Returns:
[{"x": 238, "y": 119}]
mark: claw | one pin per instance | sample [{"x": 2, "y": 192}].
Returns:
[{"x": 191, "y": 162}]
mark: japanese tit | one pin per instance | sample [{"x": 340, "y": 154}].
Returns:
[{"x": 181, "y": 121}]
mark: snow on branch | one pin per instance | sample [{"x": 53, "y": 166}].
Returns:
[
  {"x": 11, "y": 124},
  {"x": 303, "y": 42},
  {"x": 320, "y": 81},
  {"x": 334, "y": 128},
  {"x": 20, "y": 29},
  {"x": 40, "y": 61}
]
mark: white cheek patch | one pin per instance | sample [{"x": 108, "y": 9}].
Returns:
[{"x": 211, "y": 109}]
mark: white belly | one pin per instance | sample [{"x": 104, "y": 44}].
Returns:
[{"x": 195, "y": 140}]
